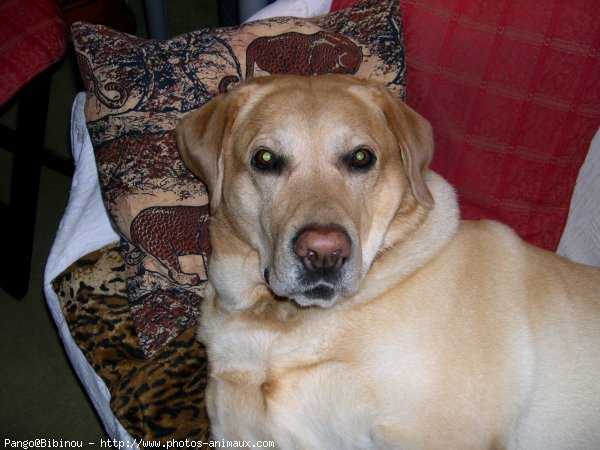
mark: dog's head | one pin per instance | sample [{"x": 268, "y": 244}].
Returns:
[{"x": 317, "y": 175}]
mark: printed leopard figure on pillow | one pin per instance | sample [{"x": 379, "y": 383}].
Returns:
[
  {"x": 303, "y": 54},
  {"x": 169, "y": 232}
]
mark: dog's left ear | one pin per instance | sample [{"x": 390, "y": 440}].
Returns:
[
  {"x": 201, "y": 136},
  {"x": 415, "y": 139}
]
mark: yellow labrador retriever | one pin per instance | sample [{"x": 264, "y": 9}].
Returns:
[{"x": 350, "y": 308}]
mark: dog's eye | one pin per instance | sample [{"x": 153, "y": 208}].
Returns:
[
  {"x": 362, "y": 158},
  {"x": 265, "y": 160}
]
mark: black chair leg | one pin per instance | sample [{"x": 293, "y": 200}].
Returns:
[{"x": 18, "y": 227}]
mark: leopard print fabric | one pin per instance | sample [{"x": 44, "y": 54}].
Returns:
[{"x": 160, "y": 398}]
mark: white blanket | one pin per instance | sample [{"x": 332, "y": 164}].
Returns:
[
  {"x": 581, "y": 237},
  {"x": 85, "y": 227}
]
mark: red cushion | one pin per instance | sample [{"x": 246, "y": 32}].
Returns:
[
  {"x": 513, "y": 92},
  {"x": 32, "y": 37}
]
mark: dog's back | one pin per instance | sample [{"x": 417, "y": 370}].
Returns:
[{"x": 499, "y": 336}]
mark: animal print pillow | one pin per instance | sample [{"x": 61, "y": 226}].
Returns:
[{"x": 136, "y": 92}]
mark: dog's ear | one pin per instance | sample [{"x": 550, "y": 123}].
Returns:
[
  {"x": 201, "y": 136},
  {"x": 415, "y": 139}
]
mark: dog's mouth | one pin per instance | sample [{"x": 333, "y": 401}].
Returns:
[{"x": 320, "y": 294}]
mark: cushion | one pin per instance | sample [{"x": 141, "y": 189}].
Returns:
[
  {"x": 136, "y": 92},
  {"x": 512, "y": 91},
  {"x": 33, "y": 38},
  {"x": 154, "y": 399}
]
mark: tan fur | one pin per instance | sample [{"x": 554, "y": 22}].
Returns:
[{"x": 440, "y": 334}]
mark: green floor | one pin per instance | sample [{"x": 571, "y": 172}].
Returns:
[{"x": 40, "y": 397}]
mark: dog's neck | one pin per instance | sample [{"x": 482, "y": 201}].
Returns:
[{"x": 407, "y": 252}]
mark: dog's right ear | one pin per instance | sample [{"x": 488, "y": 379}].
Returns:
[
  {"x": 201, "y": 136},
  {"x": 415, "y": 140}
]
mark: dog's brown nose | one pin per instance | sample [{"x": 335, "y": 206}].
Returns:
[{"x": 323, "y": 248}]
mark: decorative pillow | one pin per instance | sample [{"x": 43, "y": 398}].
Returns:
[
  {"x": 512, "y": 90},
  {"x": 137, "y": 91},
  {"x": 158, "y": 399}
]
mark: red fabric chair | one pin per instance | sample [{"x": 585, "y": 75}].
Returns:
[
  {"x": 32, "y": 40},
  {"x": 512, "y": 90}
]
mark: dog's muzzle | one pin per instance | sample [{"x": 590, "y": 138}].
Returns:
[
  {"x": 322, "y": 251},
  {"x": 318, "y": 266}
]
